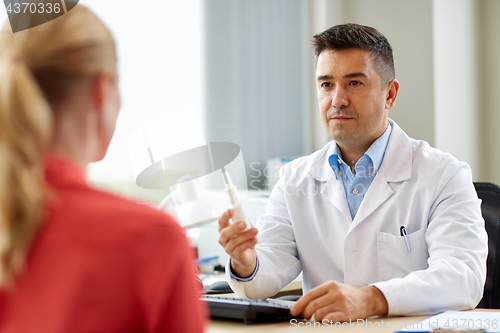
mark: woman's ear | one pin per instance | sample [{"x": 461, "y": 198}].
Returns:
[
  {"x": 106, "y": 106},
  {"x": 102, "y": 89}
]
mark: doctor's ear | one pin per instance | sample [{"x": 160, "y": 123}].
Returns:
[{"x": 391, "y": 93}]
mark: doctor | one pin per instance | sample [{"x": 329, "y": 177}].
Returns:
[{"x": 378, "y": 223}]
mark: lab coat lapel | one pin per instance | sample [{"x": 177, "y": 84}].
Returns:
[
  {"x": 396, "y": 167},
  {"x": 331, "y": 188},
  {"x": 377, "y": 194},
  {"x": 334, "y": 192}
]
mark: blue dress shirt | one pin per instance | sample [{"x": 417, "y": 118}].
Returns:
[{"x": 357, "y": 185}]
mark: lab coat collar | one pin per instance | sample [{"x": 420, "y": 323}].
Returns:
[
  {"x": 320, "y": 167},
  {"x": 398, "y": 159},
  {"x": 397, "y": 163}
]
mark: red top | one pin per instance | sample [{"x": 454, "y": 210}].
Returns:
[{"x": 101, "y": 263}]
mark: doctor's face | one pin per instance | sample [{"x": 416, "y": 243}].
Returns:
[{"x": 352, "y": 101}]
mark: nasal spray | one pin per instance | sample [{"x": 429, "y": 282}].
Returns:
[{"x": 236, "y": 206}]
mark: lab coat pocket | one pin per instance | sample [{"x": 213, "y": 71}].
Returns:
[{"x": 394, "y": 260}]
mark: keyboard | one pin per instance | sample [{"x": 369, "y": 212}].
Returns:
[{"x": 247, "y": 309}]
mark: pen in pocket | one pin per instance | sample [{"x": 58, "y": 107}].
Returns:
[{"x": 403, "y": 233}]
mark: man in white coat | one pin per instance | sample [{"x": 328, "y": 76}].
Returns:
[{"x": 377, "y": 222}]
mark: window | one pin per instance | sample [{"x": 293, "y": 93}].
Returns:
[{"x": 159, "y": 54}]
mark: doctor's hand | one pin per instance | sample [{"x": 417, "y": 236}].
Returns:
[
  {"x": 239, "y": 244},
  {"x": 335, "y": 302}
]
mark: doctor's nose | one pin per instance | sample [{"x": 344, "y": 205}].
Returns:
[{"x": 339, "y": 98}]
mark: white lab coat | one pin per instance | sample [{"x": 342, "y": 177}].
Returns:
[{"x": 307, "y": 227}]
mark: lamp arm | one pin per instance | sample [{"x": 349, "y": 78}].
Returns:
[{"x": 163, "y": 205}]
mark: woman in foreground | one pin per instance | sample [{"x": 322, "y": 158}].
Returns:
[{"x": 73, "y": 258}]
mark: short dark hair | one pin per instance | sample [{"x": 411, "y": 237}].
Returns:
[{"x": 355, "y": 36}]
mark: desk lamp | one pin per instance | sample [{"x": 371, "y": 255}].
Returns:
[{"x": 193, "y": 211}]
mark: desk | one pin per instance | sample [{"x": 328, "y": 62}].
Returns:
[
  {"x": 378, "y": 325},
  {"x": 373, "y": 325}
]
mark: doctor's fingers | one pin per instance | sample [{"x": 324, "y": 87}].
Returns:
[
  {"x": 321, "y": 306},
  {"x": 338, "y": 316},
  {"x": 334, "y": 310},
  {"x": 231, "y": 231},
  {"x": 224, "y": 219},
  {"x": 240, "y": 254},
  {"x": 329, "y": 287},
  {"x": 232, "y": 247}
]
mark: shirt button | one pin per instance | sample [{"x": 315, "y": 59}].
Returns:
[
  {"x": 355, "y": 191},
  {"x": 372, "y": 174},
  {"x": 340, "y": 161},
  {"x": 340, "y": 173}
]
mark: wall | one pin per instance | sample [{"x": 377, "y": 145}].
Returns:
[
  {"x": 255, "y": 79},
  {"x": 456, "y": 80},
  {"x": 489, "y": 107}
]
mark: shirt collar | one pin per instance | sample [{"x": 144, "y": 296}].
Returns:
[
  {"x": 377, "y": 149},
  {"x": 375, "y": 152},
  {"x": 60, "y": 170}
]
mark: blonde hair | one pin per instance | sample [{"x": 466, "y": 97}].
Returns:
[{"x": 37, "y": 69}]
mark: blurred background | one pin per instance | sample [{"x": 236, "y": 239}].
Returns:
[{"x": 242, "y": 71}]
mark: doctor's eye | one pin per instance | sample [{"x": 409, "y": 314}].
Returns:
[
  {"x": 355, "y": 83},
  {"x": 326, "y": 85}
]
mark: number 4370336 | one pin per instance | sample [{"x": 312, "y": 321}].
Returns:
[{"x": 33, "y": 8}]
